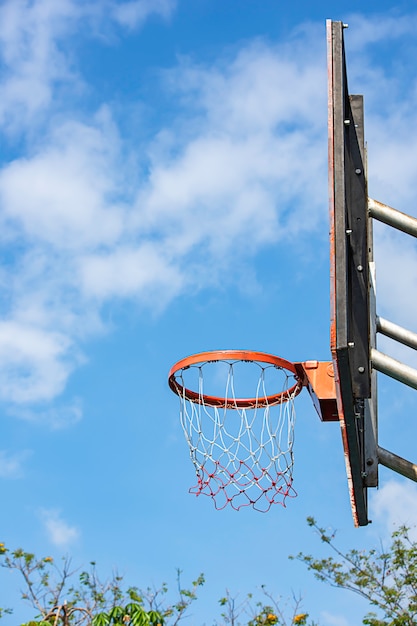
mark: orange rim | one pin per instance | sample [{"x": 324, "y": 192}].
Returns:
[{"x": 234, "y": 355}]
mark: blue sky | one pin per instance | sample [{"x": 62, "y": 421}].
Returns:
[{"x": 163, "y": 191}]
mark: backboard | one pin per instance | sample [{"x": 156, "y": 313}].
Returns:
[{"x": 350, "y": 258}]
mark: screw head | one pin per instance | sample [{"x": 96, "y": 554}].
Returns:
[{"x": 361, "y": 369}]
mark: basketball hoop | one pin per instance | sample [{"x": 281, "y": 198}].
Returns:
[{"x": 241, "y": 444}]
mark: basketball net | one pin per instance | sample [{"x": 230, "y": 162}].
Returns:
[{"x": 241, "y": 448}]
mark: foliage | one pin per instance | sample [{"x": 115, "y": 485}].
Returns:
[
  {"x": 62, "y": 596},
  {"x": 133, "y": 614},
  {"x": 271, "y": 613},
  {"x": 386, "y": 578}
]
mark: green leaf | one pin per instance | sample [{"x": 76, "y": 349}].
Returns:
[
  {"x": 116, "y": 612},
  {"x": 102, "y": 619},
  {"x": 155, "y": 618}
]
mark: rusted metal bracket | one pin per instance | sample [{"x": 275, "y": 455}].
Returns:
[{"x": 318, "y": 378}]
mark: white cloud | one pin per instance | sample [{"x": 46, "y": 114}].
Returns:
[
  {"x": 365, "y": 32},
  {"x": 39, "y": 67},
  {"x": 393, "y": 150},
  {"x": 328, "y": 619},
  {"x": 34, "y": 364},
  {"x": 65, "y": 200},
  {"x": 394, "y": 504},
  {"x": 396, "y": 286},
  {"x": 133, "y": 14},
  {"x": 60, "y": 533},
  {"x": 56, "y": 417},
  {"x": 128, "y": 271},
  {"x": 243, "y": 161},
  {"x": 84, "y": 244},
  {"x": 11, "y": 465},
  {"x": 33, "y": 61},
  {"x": 261, "y": 88},
  {"x": 242, "y": 158}
]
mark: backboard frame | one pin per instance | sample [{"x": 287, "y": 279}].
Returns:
[{"x": 349, "y": 270}]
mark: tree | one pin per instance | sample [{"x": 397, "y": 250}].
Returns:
[
  {"x": 386, "y": 578},
  {"x": 57, "y": 600},
  {"x": 62, "y": 596},
  {"x": 260, "y": 613}
]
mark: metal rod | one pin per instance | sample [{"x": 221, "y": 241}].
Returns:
[
  {"x": 391, "y": 367},
  {"x": 392, "y": 217},
  {"x": 389, "y": 329},
  {"x": 397, "y": 464}
]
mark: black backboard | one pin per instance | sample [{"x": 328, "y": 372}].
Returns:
[{"x": 349, "y": 267}]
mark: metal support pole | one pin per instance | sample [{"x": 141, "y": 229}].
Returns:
[
  {"x": 397, "y": 464},
  {"x": 393, "y": 331},
  {"x": 391, "y": 367},
  {"x": 392, "y": 217},
  {"x": 371, "y": 404}
]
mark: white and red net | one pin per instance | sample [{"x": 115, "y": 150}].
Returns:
[{"x": 238, "y": 419}]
